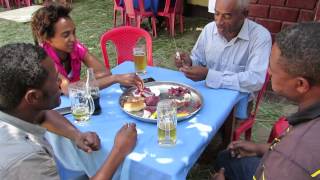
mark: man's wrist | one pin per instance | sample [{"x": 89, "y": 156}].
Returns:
[
  {"x": 116, "y": 151},
  {"x": 262, "y": 149},
  {"x": 114, "y": 78}
]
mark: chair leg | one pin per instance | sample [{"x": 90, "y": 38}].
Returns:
[
  {"x": 154, "y": 26},
  {"x": 138, "y": 21},
  {"x": 123, "y": 17},
  {"x": 18, "y": 4},
  {"x": 127, "y": 21},
  {"x": 181, "y": 24},
  {"x": 172, "y": 23},
  {"x": 168, "y": 24},
  {"x": 7, "y": 4},
  {"x": 114, "y": 18},
  {"x": 248, "y": 134},
  {"x": 235, "y": 137}
]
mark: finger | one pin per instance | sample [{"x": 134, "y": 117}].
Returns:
[
  {"x": 192, "y": 76},
  {"x": 221, "y": 170},
  {"x": 85, "y": 147},
  {"x": 231, "y": 145},
  {"x": 232, "y": 153},
  {"x": 91, "y": 140},
  {"x": 185, "y": 70},
  {"x": 95, "y": 141},
  {"x": 138, "y": 82},
  {"x": 131, "y": 126}
]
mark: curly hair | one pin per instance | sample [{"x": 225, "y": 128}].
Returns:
[
  {"x": 20, "y": 70},
  {"x": 300, "y": 47},
  {"x": 44, "y": 19}
]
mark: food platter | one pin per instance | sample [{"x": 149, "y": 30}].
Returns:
[{"x": 163, "y": 90}]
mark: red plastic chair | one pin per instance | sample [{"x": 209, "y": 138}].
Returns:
[
  {"x": 5, "y": 4},
  {"x": 171, "y": 13},
  {"x": 25, "y": 2},
  {"x": 125, "y": 38},
  {"x": 139, "y": 14},
  {"x": 278, "y": 128},
  {"x": 117, "y": 7},
  {"x": 246, "y": 126}
]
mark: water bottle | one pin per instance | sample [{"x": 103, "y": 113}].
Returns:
[{"x": 93, "y": 89}]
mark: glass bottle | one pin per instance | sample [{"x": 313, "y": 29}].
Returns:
[{"x": 93, "y": 89}]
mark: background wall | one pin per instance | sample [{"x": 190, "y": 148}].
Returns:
[
  {"x": 278, "y": 14},
  {"x": 273, "y": 14}
]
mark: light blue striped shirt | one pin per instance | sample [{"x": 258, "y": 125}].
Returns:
[{"x": 239, "y": 64}]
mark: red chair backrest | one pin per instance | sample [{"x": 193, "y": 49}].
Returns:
[
  {"x": 278, "y": 128},
  {"x": 260, "y": 94},
  {"x": 247, "y": 124},
  {"x": 125, "y": 38}
]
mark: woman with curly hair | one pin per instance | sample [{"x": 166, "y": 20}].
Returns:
[{"x": 54, "y": 30}]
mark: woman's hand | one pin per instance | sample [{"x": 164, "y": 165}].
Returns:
[
  {"x": 64, "y": 85},
  {"x": 130, "y": 80}
]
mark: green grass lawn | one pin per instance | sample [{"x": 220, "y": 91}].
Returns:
[{"x": 93, "y": 17}]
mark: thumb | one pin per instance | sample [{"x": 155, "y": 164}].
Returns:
[
  {"x": 221, "y": 170},
  {"x": 85, "y": 147}
]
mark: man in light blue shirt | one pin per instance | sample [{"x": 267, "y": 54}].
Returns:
[{"x": 232, "y": 52}]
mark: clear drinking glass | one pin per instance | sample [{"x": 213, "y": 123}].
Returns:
[
  {"x": 140, "y": 59},
  {"x": 94, "y": 91},
  {"x": 167, "y": 122},
  {"x": 82, "y": 105}
]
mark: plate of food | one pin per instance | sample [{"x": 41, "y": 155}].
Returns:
[{"x": 142, "y": 105}]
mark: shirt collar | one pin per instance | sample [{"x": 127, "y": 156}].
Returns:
[
  {"x": 244, "y": 31},
  {"x": 307, "y": 114},
  {"x": 23, "y": 125}
]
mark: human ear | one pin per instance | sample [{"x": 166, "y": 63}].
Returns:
[
  {"x": 303, "y": 85},
  {"x": 33, "y": 96}
]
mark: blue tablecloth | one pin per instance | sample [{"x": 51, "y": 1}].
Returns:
[{"x": 148, "y": 160}]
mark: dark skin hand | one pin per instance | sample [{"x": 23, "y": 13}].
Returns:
[
  {"x": 58, "y": 124},
  {"x": 88, "y": 141},
  {"x": 124, "y": 142},
  {"x": 219, "y": 175},
  {"x": 130, "y": 80},
  {"x": 241, "y": 149},
  {"x": 183, "y": 61},
  {"x": 126, "y": 138},
  {"x": 195, "y": 73}
]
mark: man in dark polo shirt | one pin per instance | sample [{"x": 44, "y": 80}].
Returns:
[{"x": 295, "y": 74}]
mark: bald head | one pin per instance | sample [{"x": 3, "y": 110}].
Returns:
[
  {"x": 229, "y": 17},
  {"x": 234, "y": 4}
]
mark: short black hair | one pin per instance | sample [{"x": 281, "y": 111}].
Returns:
[
  {"x": 300, "y": 46},
  {"x": 20, "y": 70},
  {"x": 44, "y": 19}
]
